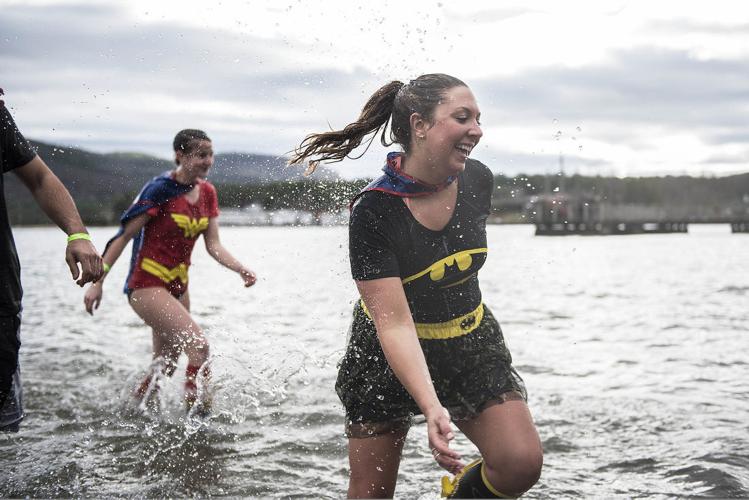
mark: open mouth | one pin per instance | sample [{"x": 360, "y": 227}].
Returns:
[{"x": 465, "y": 149}]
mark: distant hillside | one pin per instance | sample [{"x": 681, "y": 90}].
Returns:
[
  {"x": 245, "y": 168},
  {"x": 103, "y": 183}
]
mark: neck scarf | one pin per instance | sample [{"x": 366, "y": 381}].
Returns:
[{"x": 398, "y": 183}]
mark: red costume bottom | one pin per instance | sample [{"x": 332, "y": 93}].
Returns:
[{"x": 142, "y": 279}]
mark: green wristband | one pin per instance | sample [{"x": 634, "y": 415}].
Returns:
[
  {"x": 106, "y": 267},
  {"x": 79, "y": 236}
]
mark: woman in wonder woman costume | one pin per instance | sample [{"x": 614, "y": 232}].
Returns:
[
  {"x": 422, "y": 341},
  {"x": 166, "y": 219}
]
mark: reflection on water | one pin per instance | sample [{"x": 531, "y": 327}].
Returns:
[{"x": 633, "y": 350}]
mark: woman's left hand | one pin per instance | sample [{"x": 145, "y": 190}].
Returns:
[
  {"x": 248, "y": 276},
  {"x": 439, "y": 432}
]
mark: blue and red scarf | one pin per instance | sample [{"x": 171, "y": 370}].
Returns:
[
  {"x": 157, "y": 191},
  {"x": 400, "y": 184}
]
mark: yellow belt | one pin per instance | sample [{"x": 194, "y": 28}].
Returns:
[
  {"x": 456, "y": 327},
  {"x": 164, "y": 273}
]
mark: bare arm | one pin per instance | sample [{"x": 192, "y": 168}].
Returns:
[
  {"x": 222, "y": 256},
  {"x": 386, "y": 302},
  {"x": 93, "y": 295},
  {"x": 132, "y": 227},
  {"x": 55, "y": 200}
]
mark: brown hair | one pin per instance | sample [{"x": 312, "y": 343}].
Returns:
[
  {"x": 394, "y": 101},
  {"x": 186, "y": 140}
]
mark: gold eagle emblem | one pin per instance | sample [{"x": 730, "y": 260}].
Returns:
[
  {"x": 191, "y": 227},
  {"x": 164, "y": 273}
]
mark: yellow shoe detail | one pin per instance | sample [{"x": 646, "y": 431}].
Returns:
[
  {"x": 447, "y": 486},
  {"x": 489, "y": 486}
]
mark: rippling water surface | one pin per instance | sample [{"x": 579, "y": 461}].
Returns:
[{"x": 634, "y": 350}]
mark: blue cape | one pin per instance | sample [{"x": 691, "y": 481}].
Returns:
[
  {"x": 158, "y": 190},
  {"x": 397, "y": 183}
]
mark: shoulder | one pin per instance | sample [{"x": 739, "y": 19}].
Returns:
[
  {"x": 209, "y": 194},
  {"x": 476, "y": 169},
  {"x": 5, "y": 117},
  {"x": 157, "y": 182},
  {"x": 478, "y": 177},
  {"x": 375, "y": 211},
  {"x": 375, "y": 203},
  {"x": 207, "y": 186}
]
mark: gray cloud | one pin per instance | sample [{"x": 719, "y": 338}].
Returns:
[
  {"x": 690, "y": 27},
  {"x": 738, "y": 159},
  {"x": 89, "y": 76},
  {"x": 642, "y": 85},
  {"x": 623, "y": 100},
  {"x": 739, "y": 136},
  {"x": 92, "y": 65}
]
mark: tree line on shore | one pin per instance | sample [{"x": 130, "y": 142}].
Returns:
[{"x": 104, "y": 185}]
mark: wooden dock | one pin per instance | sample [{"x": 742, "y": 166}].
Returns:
[
  {"x": 560, "y": 214},
  {"x": 609, "y": 228}
]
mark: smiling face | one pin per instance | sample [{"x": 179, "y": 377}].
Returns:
[
  {"x": 197, "y": 160},
  {"x": 454, "y": 130}
]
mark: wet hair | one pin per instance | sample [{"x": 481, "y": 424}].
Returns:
[
  {"x": 394, "y": 102},
  {"x": 186, "y": 140}
]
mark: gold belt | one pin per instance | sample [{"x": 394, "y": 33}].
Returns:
[
  {"x": 164, "y": 273},
  {"x": 456, "y": 327}
]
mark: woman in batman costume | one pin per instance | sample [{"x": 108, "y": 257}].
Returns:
[{"x": 422, "y": 341}]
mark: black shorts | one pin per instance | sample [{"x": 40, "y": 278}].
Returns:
[
  {"x": 11, "y": 397},
  {"x": 469, "y": 373}
]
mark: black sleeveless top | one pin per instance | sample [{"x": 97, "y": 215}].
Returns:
[{"x": 438, "y": 269}]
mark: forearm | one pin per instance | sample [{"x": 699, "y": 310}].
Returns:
[
  {"x": 223, "y": 256},
  {"x": 55, "y": 200},
  {"x": 110, "y": 256},
  {"x": 132, "y": 227},
  {"x": 114, "y": 250},
  {"x": 405, "y": 357}
]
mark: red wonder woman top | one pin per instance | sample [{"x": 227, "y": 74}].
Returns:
[{"x": 168, "y": 240}]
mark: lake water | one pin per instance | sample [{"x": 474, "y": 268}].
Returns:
[{"x": 634, "y": 350}]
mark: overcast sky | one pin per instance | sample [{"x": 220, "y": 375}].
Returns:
[{"x": 614, "y": 87}]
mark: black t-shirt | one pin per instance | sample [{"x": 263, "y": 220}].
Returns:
[
  {"x": 438, "y": 269},
  {"x": 15, "y": 152}
]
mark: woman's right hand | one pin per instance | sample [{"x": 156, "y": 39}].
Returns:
[
  {"x": 440, "y": 433},
  {"x": 92, "y": 297},
  {"x": 248, "y": 276}
]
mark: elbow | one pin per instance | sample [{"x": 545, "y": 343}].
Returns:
[
  {"x": 213, "y": 251},
  {"x": 36, "y": 185}
]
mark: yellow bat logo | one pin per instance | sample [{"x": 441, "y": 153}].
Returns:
[
  {"x": 437, "y": 270},
  {"x": 191, "y": 227}
]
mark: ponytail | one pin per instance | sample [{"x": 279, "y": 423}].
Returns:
[
  {"x": 334, "y": 146},
  {"x": 394, "y": 102}
]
